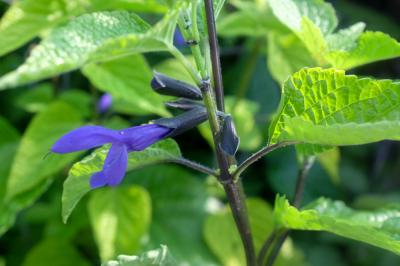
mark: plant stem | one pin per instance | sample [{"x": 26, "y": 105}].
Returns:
[
  {"x": 188, "y": 66},
  {"x": 265, "y": 247},
  {"x": 214, "y": 50},
  {"x": 258, "y": 155},
  {"x": 193, "y": 165},
  {"x": 301, "y": 178}
]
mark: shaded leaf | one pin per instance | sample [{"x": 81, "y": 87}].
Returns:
[
  {"x": 127, "y": 79},
  {"x": 120, "y": 218}
]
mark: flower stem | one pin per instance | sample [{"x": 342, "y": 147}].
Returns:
[
  {"x": 214, "y": 49},
  {"x": 233, "y": 188},
  {"x": 258, "y": 155},
  {"x": 193, "y": 165}
]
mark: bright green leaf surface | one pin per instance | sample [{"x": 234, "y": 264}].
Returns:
[
  {"x": 221, "y": 235},
  {"x": 26, "y": 19},
  {"x": 29, "y": 167},
  {"x": 379, "y": 228},
  {"x": 286, "y": 55},
  {"x": 371, "y": 47},
  {"x": 54, "y": 252},
  {"x": 120, "y": 218},
  {"x": 330, "y": 160},
  {"x": 77, "y": 183},
  {"x": 127, "y": 79},
  {"x": 179, "y": 203},
  {"x": 157, "y": 257},
  {"x": 92, "y": 38},
  {"x": 328, "y": 107}
]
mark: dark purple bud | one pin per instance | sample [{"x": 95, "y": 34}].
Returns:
[
  {"x": 183, "y": 104},
  {"x": 183, "y": 122},
  {"x": 229, "y": 138},
  {"x": 165, "y": 85},
  {"x": 104, "y": 103}
]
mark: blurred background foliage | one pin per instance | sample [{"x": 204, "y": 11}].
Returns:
[{"x": 167, "y": 204}]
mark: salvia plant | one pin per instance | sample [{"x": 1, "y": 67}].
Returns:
[{"x": 141, "y": 209}]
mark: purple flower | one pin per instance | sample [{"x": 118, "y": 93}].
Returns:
[
  {"x": 104, "y": 103},
  {"x": 179, "y": 41},
  {"x": 122, "y": 142}
]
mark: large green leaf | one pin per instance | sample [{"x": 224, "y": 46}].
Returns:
[
  {"x": 157, "y": 257},
  {"x": 179, "y": 202},
  {"x": 370, "y": 47},
  {"x": 30, "y": 168},
  {"x": 314, "y": 23},
  {"x": 92, "y": 38},
  {"x": 54, "y": 252},
  {"x": 127, "y": 79},
  {"x": 26, "y": 19},
  {"x": 379, "y": 228},
  {"x": 252, "y": 19},
  {"x": 328, "y": 107},
  {"x": 286, "y": 55},
  {"x": 77, "y": 183},
  {"x": 120, "y": 218},
  {"x": 222, "y": 237}
]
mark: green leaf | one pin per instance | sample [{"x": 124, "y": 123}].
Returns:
[
  {"x": 253, "y": 19},
  {"x": 327, "y": 107},
  {"x": 78, "y": 99},
  {"x": 128, "y": 79},
  {"x": 370, "y": 47},
  {"x": 379, "y": 228},
  {"x": 314, "y": 23},
  {"x": 286, "y": 55},
  {"x": 29, "y": 169},
  {"x": 54, "y": 252},
  {"x": 92, "y": 38},
  {"x": 221, "y": 235},
  {"x": 120, "y": 218},
  {"x": 179, "y": 202},
  {"x": 36, "y": 99},
  {"x": 77, "y": 183},
  {"x": 292, "y": 12},
  {"x": 7, "y": 132},
  {"x": 330, "y": 162},
  {"x": 26, "y": 19},
  {"x": 157, "y": 257}
]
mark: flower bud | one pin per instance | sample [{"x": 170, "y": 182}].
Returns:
[
  {"x": 183, "y": 122},
  {"x": 165, "y": 85},
  {"x": 229, "y": 138},
  {"x": 183, "y": 104}
]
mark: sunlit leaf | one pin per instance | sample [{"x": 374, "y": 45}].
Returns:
[
  {"x": 328, "y": 107},
  {"x": 379, "y": 228}
]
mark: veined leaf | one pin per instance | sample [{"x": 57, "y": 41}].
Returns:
[
  {"x": 29, "y": 169},
  {"x": 77, "y": 183},
  {"x": 120, "y": 218},
  {"x": 370, "y": 47},
  {"x": 92, "y": 38},
  {"x": 379, "y": 228},
  {"x": 314, "y": 23},
  {"x": 327, "y": 107},
  {"x": 26, "y": 19},
  {"x": 128, "y": 79},
  {"x": 157, "y": 257}
]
